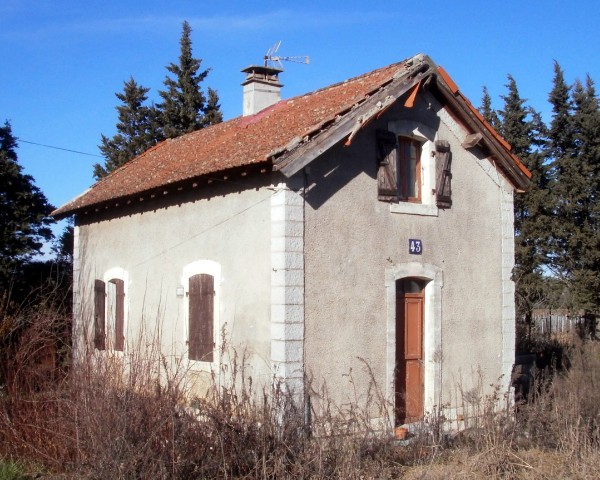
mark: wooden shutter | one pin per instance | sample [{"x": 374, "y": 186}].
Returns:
[
  {"x": 99, "y": 317},
  {"x": 201, "y": 317},
  {"x": 443, "y": 174},
  {"x": 387, "y": 173},
  {"x": 119, "y": 314}
]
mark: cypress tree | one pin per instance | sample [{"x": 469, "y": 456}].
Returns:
[
  {"x": 185, "y": 107},
  {"x": 137, "y": 129},
  {"x": 522, "y": 127},
  {"x": 573, "y": 151},
  {"x": 583, "y": 241},
  {"x": 24, "y": 213},
  {"x": 559, "y": 156}
]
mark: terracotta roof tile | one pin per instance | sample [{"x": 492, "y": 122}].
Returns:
[
  {"x": 235, "y": 143},
  {"x": 253, "y": 140}
]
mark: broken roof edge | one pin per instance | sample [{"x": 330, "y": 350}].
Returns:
[
  {"x": 410, "y": 73},
  {"x": 513, "y": 167}
]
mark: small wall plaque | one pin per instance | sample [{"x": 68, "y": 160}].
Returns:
[{"x": 415, "y": 246}]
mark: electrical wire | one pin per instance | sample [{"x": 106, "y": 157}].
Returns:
[{"x": 59, "y": 148}]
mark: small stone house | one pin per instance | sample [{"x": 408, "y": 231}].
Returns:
[{"x": 366, "y": 223}]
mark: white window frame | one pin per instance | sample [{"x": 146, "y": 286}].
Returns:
[
  {"x": 212, "y": 268},
  {"x": 425, "y": 135}
]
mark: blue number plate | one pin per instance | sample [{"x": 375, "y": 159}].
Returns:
[{"x": 415, "y": 247}]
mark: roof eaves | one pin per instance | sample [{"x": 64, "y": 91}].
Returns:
[
  {"x": 226, "y": 175},
  {"x": 72, "y": 205}
]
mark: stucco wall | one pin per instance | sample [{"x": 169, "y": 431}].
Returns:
[
  {"x": 352, "y": 240},
  {"x": 227, "y": 224}
]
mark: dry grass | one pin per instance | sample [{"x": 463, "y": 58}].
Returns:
[{"x": 110, "y": 418}]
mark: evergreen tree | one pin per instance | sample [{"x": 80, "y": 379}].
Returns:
[
  {"x": 489, "y": 114},
  {"x": 24, "y": 213},
  {"x": 522, "y": 127},
  {"x": 573, "y": 150},
  {"x": 583, "y": 241},
  {"x": 185, "y": 107},
  {"x": 137, "y": 130},
  {"x": 212, "y": 113}
]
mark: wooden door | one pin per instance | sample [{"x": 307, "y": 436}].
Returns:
[{"x": 409, "y": 351}]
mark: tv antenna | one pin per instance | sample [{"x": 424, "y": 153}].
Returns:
[{"x": 274, "y": 61}]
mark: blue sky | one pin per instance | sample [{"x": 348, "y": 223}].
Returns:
[{"x": 62, "y": 61}]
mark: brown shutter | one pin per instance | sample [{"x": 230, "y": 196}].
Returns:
[
  {"x": 387, "y": 173},
  {"x": 99, "y": 317},
  {"x": 201, "y": 315},
  {"x": 443, "y": 174},
  {"x": 119, "y": 314}
]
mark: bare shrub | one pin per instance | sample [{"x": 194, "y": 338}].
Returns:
[
  {"x": 565, "y": 414},
  {"x": 131, "y": 415},
  {"x": 113, "y": 418}
]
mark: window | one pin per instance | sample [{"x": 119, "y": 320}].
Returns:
[
  {"x": 99, "y": 319},
  {"x": 109, "y": 311},
  {"x": 115, "y": 312},
  {"x": 201, "y": 295},
  {"x": 399, "y": 176},
  {"x": 201, "y": 280},
  {"x": 414, "y": 170},
  {"x": 410, "y": 169}
]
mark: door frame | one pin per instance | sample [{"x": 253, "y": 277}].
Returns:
[
  {"x": 432, "y": 331},
  {"x": 409, "y": 355}
]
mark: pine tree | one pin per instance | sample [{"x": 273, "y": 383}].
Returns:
[
  {"x": 523, "y": 128},
  {"x": 24, "y": 212},
  {"x": 185, "y": 107},
  {"x": 137, "y": 129}
]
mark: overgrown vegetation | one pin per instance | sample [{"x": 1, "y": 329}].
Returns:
[{"x": 108, "y": 417}]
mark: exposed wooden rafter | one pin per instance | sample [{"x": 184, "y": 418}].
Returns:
[{"x": 349, "y": 124}]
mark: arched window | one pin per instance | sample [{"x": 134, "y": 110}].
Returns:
[
  {"x": 201, "y": 280},
  {"x": 110, "y": 311},
  {"x": 201, "y": 294},
  {"x": 115, "y": 313}
]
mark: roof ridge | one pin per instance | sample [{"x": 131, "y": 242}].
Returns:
[{"x": 351, "y": 80}]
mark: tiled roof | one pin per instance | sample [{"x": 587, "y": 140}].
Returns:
[
  {"x": 235, "y": 143},
  {"x": 258, "y": 139}
]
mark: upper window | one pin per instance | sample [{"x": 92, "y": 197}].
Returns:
[
  {"x": 409, "y": 152},
  {"x": 414, "y": 173}
]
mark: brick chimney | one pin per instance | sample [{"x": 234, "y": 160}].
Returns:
[{"x": 261, "y": 88}]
